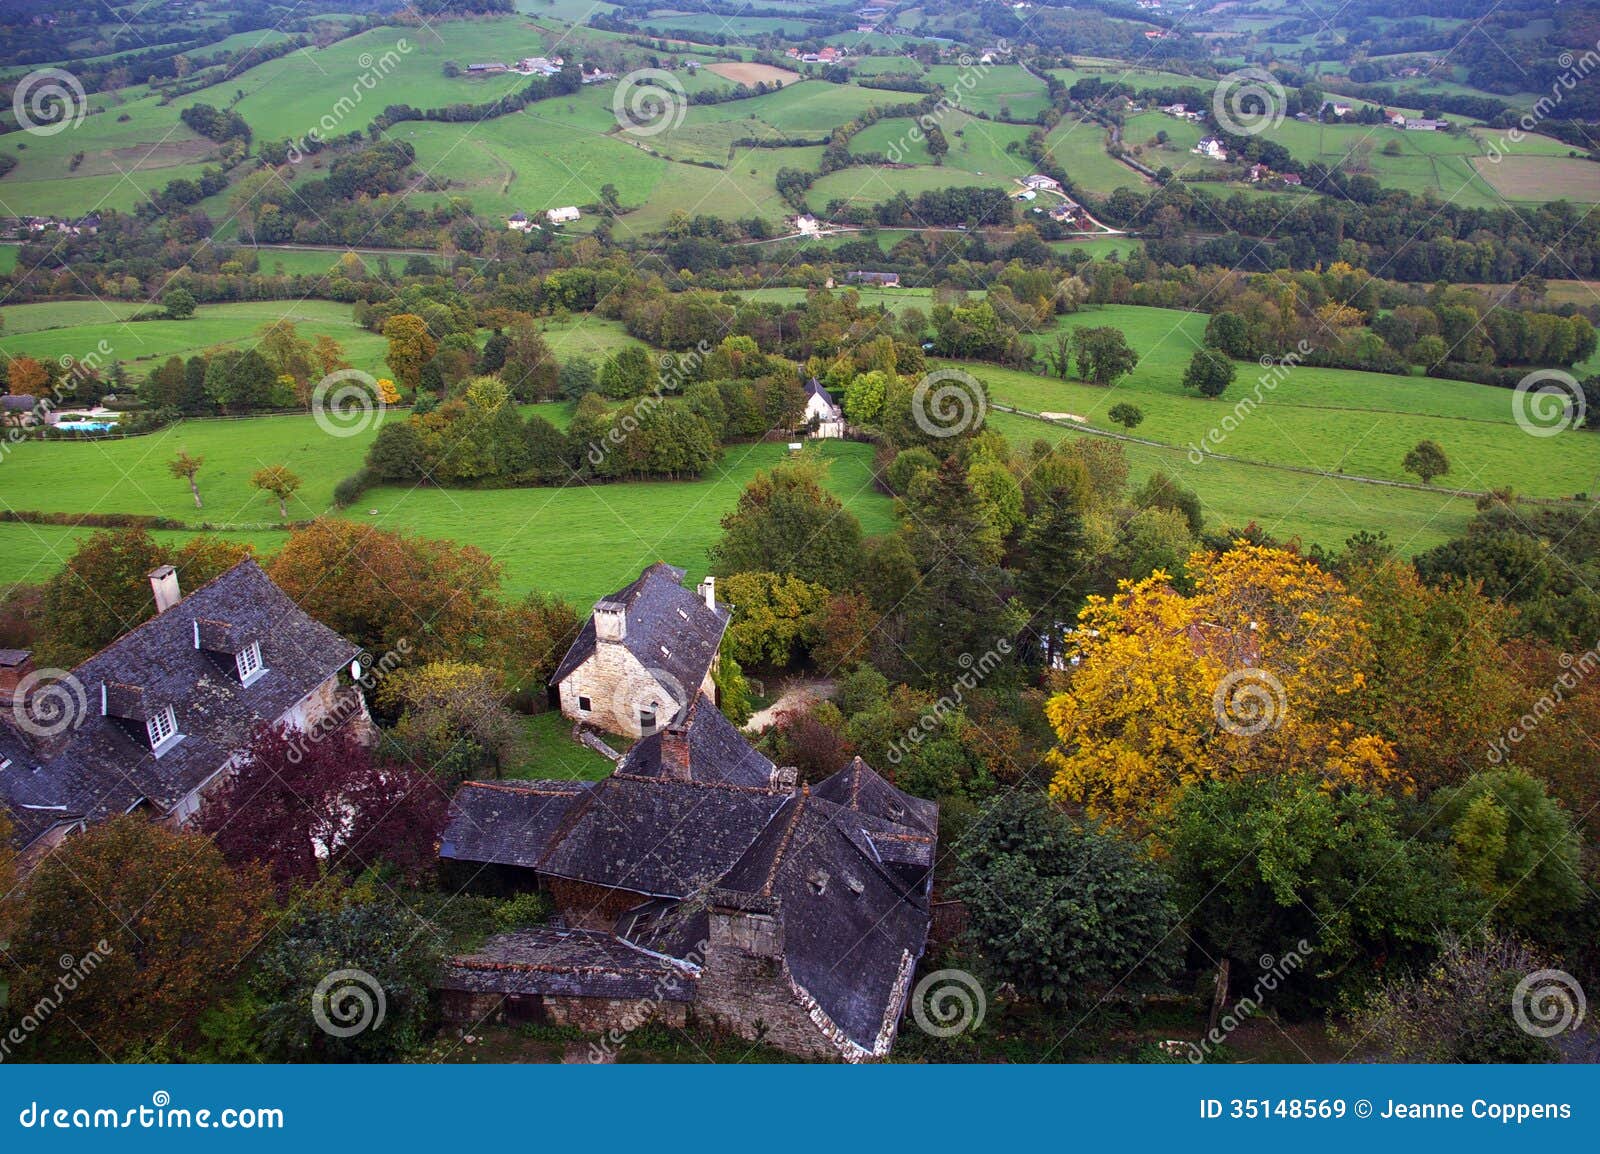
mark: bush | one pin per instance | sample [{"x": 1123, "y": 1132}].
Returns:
[
  {"x": 348, "y": 491},
  {"x": 531, "y": 908}
]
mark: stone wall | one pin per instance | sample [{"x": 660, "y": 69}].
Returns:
[
  {"x": 590, "y": 1015},
  {"x": 617, "y": 685},
  {"x": 746, "y": 988}
]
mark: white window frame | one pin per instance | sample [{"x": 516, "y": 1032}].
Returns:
[
  {"x": 249, "y": 664},
  {"x": 162, "y": 729}
]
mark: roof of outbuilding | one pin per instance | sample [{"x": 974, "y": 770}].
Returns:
[
  {"x": 860, "y": 787},
  {"x": 507, "y": 823},
  {"x": 668, "y": 629},
  {"x": 569, "y": 963}
]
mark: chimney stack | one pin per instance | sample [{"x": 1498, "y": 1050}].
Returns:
[
  {"x": 16, "y": 665},
  {"x": 164, "y": 584},
  {"x": 610, "y": 621},
  {"x": 708, "y": 587},
  {"x": 675, "y": 751}
]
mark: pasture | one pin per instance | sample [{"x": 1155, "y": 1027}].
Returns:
[{"x": 80, "y": 328}]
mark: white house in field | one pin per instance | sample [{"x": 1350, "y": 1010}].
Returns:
[
  {"x": 565, "y": 215},
  {"x": 644, "y": 655},
  {"x": 821, "y": 407}
]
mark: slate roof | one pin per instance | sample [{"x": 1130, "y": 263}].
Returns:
[
  {"x": 814, "y": 389},
  {"x": 853, "y": 929},
  {"x": 717, "y": 753},
  {"x": 569, "y": 963},
  {"x": 658, "y": 837},
  {"x": 668, "y": 628},
  {"x": 507, "y": 823},
  {"x": 105, "y": 765},
  {"x": 34, "y": 800},
  {"x": 860, "y": 787}
]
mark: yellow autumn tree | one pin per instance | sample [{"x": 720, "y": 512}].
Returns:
[{"x": 1258, "y": 670}]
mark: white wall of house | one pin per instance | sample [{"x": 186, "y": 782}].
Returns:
[{"x": 616, "y": 686}]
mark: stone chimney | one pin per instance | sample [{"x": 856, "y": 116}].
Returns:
[
  {"x": 164, "y": 584},
  {"x": 16, "y": 665},
  {"x": 610, "y": 621},
  {"x": 675, "y": 752},
  {"x": 708, "y": 590}
]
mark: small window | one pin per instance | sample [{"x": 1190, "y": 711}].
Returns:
[
  {"x": 249, "y": 662},
  {"x": 585, "y": 705},
  {"x": 162, "y": 727},
  {"x": 647, "y": 719}
]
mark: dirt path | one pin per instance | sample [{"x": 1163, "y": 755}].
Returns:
[{"x": 796, "y": 694}]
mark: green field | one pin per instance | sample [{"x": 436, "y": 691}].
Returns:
[
  {"x": 1331, "y": 419},
  {"x": 580, "y": 542},
  {"x": 31, "y": 330},
  {"x": 1080, "y": 148},
  {"x": 1007, "y": 91}
]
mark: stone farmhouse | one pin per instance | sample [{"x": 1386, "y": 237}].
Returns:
[
  {"x": 700, "y": 882},
  {"x": 160, "y": 717},
  {"x": 644, "y": 655}
]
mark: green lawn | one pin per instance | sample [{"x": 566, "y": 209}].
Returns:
[
  {"x": 1080, "y": 148},
  {"x": 546, "y": 750}
]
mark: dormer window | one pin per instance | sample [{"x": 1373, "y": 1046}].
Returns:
[
  {"x": 162, "y": 728},
  {"x": 249, "y": 664}
]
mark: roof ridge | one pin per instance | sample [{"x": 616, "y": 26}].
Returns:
[{"x": 783, "y": 843}]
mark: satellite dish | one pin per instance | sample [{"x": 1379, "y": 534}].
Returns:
[{"x": 355, "y": 669}]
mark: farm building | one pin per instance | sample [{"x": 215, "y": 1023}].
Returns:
[
  {"x": 644, "y": 654},
  {"x": 564, "y": 215},
  {"x": 1038, "y": 182},
  {"x": 701, "y": 881},
  {"x": 519, "y": 222},
  {"x": 161, "y": 717},
  {"x": 882, "y": 279}
]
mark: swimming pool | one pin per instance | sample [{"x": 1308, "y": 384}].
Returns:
[{"x": 86, "y": 426}]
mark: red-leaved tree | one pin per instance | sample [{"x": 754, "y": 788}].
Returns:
[{"x": 300, "y": 803}]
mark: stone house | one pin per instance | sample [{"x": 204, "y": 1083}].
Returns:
[
  {"x": 645, "y": 653},
  {"x": 700, "y": 882},
  {"x": 162, "y": 716}
]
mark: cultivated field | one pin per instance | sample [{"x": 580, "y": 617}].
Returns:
[
  {"x": 746, "y": 72},
  {"x": 1541, "y": 178}
]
